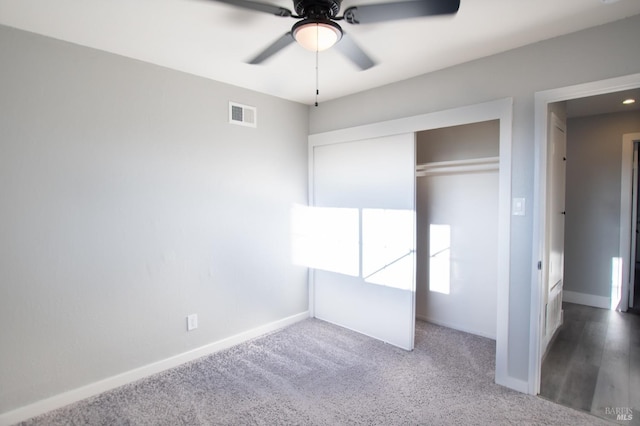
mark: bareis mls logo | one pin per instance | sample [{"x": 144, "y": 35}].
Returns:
[{"x": 620, "y": 413}]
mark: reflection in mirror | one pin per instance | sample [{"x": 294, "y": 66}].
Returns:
[
  {"x": 387, "y": 247},
  {"x": 326, "y": 238},
  {"x": 330, "y": 238},
  {"x": 440, "y": 258}
]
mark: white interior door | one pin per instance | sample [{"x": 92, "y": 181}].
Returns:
[
  {"x": 363, "y": 209},
  {"x": 556, "y": 205},
  {"x": 556, "y": 214}
]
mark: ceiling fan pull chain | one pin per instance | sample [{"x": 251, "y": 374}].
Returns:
[
  {"x": 317, "y": 84},
  {"x": 317, "y": 71}
]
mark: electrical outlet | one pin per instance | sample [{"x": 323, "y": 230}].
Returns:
[{"x": 192, "y": 322}]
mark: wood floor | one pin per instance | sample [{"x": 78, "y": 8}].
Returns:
[{"x": 594, "y": 363}]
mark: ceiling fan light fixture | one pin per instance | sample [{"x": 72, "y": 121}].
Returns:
[{"x": 316, "y": 35}]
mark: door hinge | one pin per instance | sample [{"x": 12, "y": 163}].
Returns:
[{"x": 539, "y": 265}]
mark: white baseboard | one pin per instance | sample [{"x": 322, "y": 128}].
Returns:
[
  {"x": 455, "y": 327},
  {"x": 66, "y": 398},
  {"x": 586, "y": 299},
  {"x": 513, "y": 383}
]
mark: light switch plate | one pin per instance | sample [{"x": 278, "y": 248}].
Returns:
[
  {"x": 192, "y": 322},
  {"x": 518, "y": 207}
]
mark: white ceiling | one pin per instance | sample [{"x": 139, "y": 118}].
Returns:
[{"x": 213, "y": 40}]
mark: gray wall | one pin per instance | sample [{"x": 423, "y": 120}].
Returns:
[
  {"x": 475, "y": 140},
  {"x": 128, "y": 202},
  {"x": 594, "y": 54},
  {"x": 592, "y": 229}
]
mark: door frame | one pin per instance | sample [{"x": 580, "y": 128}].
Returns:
[
  {"x": 540, "y": 245},
  {"x": 627, "y": 213},
  {"x": 501, "y": 110}
]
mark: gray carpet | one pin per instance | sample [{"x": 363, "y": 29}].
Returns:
[{"x": 315, "y": 373}]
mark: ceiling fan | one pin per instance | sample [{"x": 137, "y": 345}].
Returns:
[{"x": 318, "y": 30}]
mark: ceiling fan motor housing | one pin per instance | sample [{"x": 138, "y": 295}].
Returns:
[{"x": 317, "y": 9}]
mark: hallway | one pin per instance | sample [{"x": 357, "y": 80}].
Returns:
[{"x": 594, "y": 363}]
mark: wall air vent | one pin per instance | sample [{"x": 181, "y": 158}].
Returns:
[{"x": 243, "y": 115}]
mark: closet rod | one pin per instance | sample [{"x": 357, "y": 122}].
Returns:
[{"x": 458, "y": 166}]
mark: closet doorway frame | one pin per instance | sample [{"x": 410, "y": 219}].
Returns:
[{"x": 501, "y": 110}]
